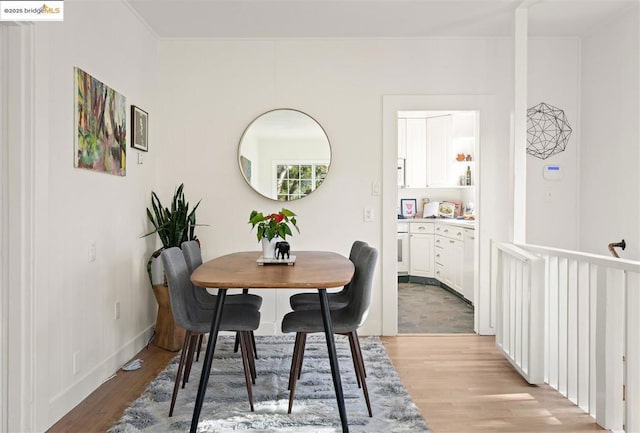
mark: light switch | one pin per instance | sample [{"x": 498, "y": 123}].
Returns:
[
  {"x": 368, "y": 214},
  {"x": 376, "y": 188}
]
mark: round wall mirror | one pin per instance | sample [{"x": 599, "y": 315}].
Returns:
[{"x": 284, "y": 154}]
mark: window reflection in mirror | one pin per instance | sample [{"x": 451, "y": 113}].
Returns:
[{"x": 284, "y": 154}]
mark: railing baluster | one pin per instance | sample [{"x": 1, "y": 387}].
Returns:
[
  {"x": 593, "y": 341},
  {"x": 563, "y": 324},
  {"x": 554, "y": 326},
  {"x": 633, "y": 353},
  {"x": 582, "y": 342},
  {"x": 572, "y": 331}
]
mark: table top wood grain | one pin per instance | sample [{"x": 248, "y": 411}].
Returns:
[{"x": 313, "y": 269}]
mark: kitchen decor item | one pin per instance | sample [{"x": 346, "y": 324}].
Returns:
[
  {"x": 408, "y": 207},
  {"x": 447, "y": 210},
  {"x": 431, "y": 209}
]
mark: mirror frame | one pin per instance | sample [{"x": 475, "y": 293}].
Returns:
[{"x": 324, "y": 132}]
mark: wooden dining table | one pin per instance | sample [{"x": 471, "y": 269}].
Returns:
[{"x": 312, "y": 270}]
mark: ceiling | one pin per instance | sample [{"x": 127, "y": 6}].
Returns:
[{"x": 370, "y": 18}]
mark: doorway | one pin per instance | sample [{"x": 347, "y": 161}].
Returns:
[
  {"x": 437, "y": 157},
  {"x": 484, "y": 105}
]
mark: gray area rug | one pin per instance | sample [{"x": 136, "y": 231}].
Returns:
[{"x": 226, "y": 406}]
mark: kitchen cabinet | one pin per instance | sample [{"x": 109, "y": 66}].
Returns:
[
  {"x": 438, "y": 142},
  {"x": 421, "y": 246},
  {"x": 402, "y": 138},
  {"x": 449, "y": 256},
  {"x": 416, "y": 153},
  {"x": 424, "y": 145},
  {"x": 468, "y": 264}
]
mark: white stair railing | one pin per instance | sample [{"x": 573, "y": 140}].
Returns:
[
  {"x": 591, "y": 322},
  {"x": 518, "y": 285}
]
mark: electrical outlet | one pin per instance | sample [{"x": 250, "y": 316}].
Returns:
[
  {"x": 75, "y": 362},
  {"x": 368, "y": 214},
  {"x": 116, "y": 310},
  {"x": 92, "y": 251}
]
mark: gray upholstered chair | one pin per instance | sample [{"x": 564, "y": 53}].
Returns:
[
  {"x": 311, "y": 301},
  {"x": 346, "y": 320},
  {"x": 189, "y": 314},
  {"x": 193, "y": 256}
]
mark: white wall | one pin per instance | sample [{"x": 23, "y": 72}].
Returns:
[
  {"x": 217, "y": 87},
  {"x": 552, "y": 206},
  {"x": 610, "y": 154},
  {"x": 75, "y": 299}
]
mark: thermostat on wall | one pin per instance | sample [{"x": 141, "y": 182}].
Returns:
[{"x": 552, "y": 172}]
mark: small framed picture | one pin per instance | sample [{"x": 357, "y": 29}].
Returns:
[
  {"x": 408, "y": 207},
  {"x": 139, "y": 129}
]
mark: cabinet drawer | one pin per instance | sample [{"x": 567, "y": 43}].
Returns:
[
  {"x": 439, "y": 272},
  {"x": 452, "y": 232},
  {"x": 438, "y": 256},
  {"x": 403, "y": 227},
  {"x": 425, "y": 228},
  {"x": 470, "y": 234}
]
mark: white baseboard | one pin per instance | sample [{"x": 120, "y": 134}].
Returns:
[{"x": 62, "y": 403}]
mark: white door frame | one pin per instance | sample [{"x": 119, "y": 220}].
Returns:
[
  {"x": 4, "y": 266},
  {"x": 17, "y": 315},
  {"x": 391, "y": 104}
]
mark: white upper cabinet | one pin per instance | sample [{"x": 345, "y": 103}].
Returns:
[
  {"x": 402, "y": 138},
  {"x": 423, "y": 144},
  {"x": 415, "y": 164},
  {"x": 438, "y": 145}
]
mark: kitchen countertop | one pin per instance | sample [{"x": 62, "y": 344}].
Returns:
[{"x": 461, "y": 223}]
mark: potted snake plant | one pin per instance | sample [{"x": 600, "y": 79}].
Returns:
[{"x": 174, "y": 225}]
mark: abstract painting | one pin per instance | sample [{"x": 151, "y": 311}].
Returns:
[{"x": 101, "y": 126}]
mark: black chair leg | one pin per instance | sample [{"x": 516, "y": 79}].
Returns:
[
  {"x": 304, "y": 346},
  {"x": 236, "y": 343},
  {"x": 359, "y": 349},
  {"x": 296, "y": 368},
  {"x": 253, "y": 343},
  {"x": 199, "y": 346},
  {"x": 187, "y": 367},
  {"x": 176, "y": 386},
  {"x": 244, "y": 348},
  {"x": 251, "y": 358},
  {"x": 354, "y": 357},
  {"x": 294, "y": 358},
  {"x": 358, "y": 362}
]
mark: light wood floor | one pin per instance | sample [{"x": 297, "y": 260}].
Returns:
[{"x": 460, "y": 383}]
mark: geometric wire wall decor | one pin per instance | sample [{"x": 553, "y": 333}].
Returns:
[{"x": 547, "y": 130}]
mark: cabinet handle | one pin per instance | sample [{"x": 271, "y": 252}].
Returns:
[
  {"x": 459, "y": 234},
  {"x": 446, "y": 230},
  {"x": 421, "y": 228},
  {"x": 472, "y": 237},
  {"x": 452, "y": 242},
  {"x": 437, "y": 255}
]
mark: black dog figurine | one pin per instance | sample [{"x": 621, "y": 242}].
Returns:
[{"x": 282, "y": 248}]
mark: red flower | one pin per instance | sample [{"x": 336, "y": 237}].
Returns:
[{"x": 278, "y": 217}]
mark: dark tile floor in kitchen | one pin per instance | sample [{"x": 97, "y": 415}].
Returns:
[{"x": 424, "y": 309}]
